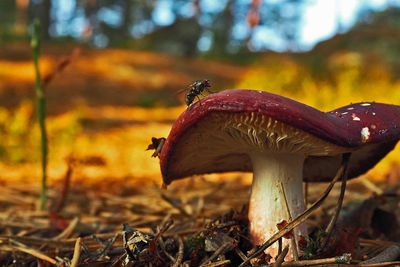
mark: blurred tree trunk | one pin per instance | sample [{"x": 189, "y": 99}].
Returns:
[
  {"x": 21, "y": 16},
  {"x": 7, "y": 19},
  {"x": 127, "y": 18},
  {"x": 45, "y": 19},
  {"x": 91, "y": 8},
  {"x": 222, "y": 29},
  {"x": 41, "y": 11},
  {"x": 253, "y": 19}
]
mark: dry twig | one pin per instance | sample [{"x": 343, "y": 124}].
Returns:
[
  {"x": 331, "y": 225},
  {"x": 371, "y": 186},
  {"x": 179, "y": 257},
  {"x": 281, "y": 257},
  {"x": 240, "y": 253},
  {"x": 65, "y": 189},
  {"x": 77, "y": 253},
  {"x": 171, "y": 258},
  {"x": 218, "y": 252},
  {"x": 293, "y": 245},
  {"x": 60, "y": 67}
]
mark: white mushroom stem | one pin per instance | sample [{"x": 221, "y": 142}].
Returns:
[{"x": 267, "y": 206}]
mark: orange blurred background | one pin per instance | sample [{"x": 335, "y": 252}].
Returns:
[{"x": 106, "y": 105}]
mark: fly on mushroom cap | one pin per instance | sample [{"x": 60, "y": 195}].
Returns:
[{"x": 278, "y": 139}]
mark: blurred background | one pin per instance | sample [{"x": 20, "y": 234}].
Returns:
[{"x": 135, "y": 55}]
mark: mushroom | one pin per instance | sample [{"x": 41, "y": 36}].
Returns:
[{"x": 278, "y": 139}]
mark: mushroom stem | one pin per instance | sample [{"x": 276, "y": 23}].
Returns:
[{"x": 267, "y": 208}]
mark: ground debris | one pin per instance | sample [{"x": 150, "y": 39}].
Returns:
[
  {"x": 217, "y": 240},
  {"x": 206, "y": 226}
]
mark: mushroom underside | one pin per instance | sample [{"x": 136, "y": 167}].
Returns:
[{"x": 222, "y": 142}]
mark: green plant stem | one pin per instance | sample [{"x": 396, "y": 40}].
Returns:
[{"x": 41, "y": 107}]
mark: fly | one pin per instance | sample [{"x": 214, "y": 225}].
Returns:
[
  {"x": 195, "y": 89},
  {"x": 156, "y": 144}
]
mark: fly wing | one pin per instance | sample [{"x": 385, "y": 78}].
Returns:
[
  {"x": 182, "y": 90},
  {"x": 186, "y": 89}
]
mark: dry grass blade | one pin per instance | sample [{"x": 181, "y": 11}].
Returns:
[
  {"x": 343, "y": 259},
  {"x": 389, "y": 254},
  {"x": 371, "y": 186},
  {"x": 302, "y": 217},
  {"x": 9, "y": 196},
  {"x": 35, "y": 241},
  {"x": 179, "y": 258},
  {"x": 383, "y": 264},
  {"x": 171, "y": 202},
  {"x": 218, "y": 252},
  {"x": 68, "y": 231},
  {"x": 65, "y": 189},
  {"x": 34, "y": 253},
  {"x": 281, "y": 257},
  {"x": 218, "y": 263},
  {"x": 240, "y": 254},
  {"x": 60, "y": 67},
  {"x": 77, "y": 253},
  {"x": 369, "y": 242},
  {"x": 171, "y": 258},
  {"x": 185, "y": 232},
  {"x": 293, "y": 245},
  {"x": 331, "y": 225}
]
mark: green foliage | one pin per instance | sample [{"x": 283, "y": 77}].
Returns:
[
  {"x": 147, "y": 100},
  {"x": 19, "y": 134},
  {"x": 194, "y": 247},
  {"x": 15, "y": 133},
  {"x": 347, "y": 77},
  {"x": 311, "y": 250}
]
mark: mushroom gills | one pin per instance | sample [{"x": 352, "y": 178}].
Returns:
[
  {"x": 267, "y": 134},
  {"x": 229, "y": 138}
]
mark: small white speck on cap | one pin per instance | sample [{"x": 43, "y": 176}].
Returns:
[
  {"x": 344, "y": 113},
  {"x": 365, "y": 104},
  {"x": 373, "y": 113},
  {"x": 355, "y": 118},
  {"x": 364, "y": 134},
  {"x": 350, "y": 108}
]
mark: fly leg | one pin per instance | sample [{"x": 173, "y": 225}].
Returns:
[
  {"x": 199, "y": 99},
  {"x": 209, "y": 91}
]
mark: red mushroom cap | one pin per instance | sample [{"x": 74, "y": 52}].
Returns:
[{"x": 368, "y": 130}]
